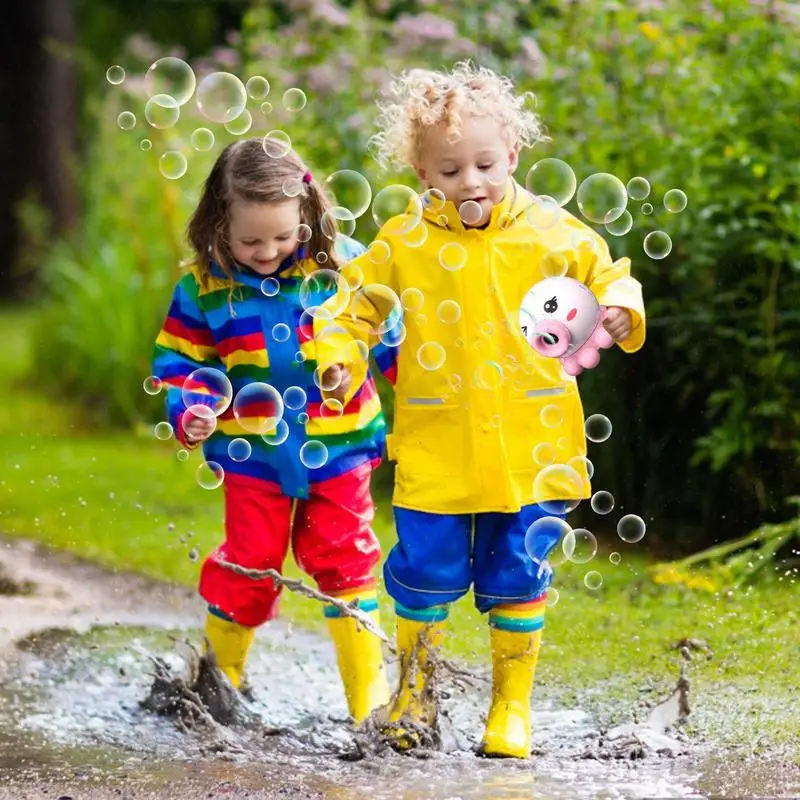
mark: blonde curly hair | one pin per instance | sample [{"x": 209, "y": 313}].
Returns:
[{"x": 420, "y": 98}]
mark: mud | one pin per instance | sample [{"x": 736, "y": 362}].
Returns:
[{"x": 76, "y": 660}]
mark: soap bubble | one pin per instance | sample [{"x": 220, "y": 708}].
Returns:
[
  {"x": 221, "y": 97},
  {"x": 602, "y": 198},
  {"x": 170, "y": 76},
  {"x": 657, "y": 245},
  {"x": 638, "y": 188},
  {"x": 675, "y": 201},
  {"x": 552, "y": 177}
]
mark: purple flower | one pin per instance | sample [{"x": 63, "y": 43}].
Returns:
[
  {"x": 233, "y": 38},
  {"x": 142, "y": 47},
  {"x": 533, "y": 59},
  {"x": 332, "y": 14},
  {"x": 225, "y": 56},
  {"x": 423, "y": 28},
  {"x": 268, "y": 51},
  {"x": 302, "y": 49},
  {"x": 321, "y": 79}
]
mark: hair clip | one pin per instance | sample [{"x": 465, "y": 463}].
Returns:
[{"x": 307, "y": 177}]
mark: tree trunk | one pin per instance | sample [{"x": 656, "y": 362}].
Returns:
[{"x": 38, "y": 118}]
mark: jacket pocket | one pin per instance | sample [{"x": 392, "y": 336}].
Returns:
[{"x": 428, "y": 437}]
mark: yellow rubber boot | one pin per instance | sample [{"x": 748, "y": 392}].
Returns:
[
  {"x": 508, "y": 727},
  {"x": 416, "y": 642},
  {"x": 360, "y": 659},
  {"x": 231, "y": 643}
]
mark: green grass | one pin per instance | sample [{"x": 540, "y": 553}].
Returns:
[{"x": 122, "y": 498}]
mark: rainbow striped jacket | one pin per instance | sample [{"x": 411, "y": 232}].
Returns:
[{"x": 207, "y": 327}]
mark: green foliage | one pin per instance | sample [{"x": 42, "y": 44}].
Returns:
[{"x": 700, "y": 97}]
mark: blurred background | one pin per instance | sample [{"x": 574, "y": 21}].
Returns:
[{"x": 97, "y": 189}]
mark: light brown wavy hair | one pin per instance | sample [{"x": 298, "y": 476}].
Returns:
[{"x": 245, "y": 171}]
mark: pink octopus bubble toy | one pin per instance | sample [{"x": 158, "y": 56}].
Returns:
[{"x": 561, "y": 318}]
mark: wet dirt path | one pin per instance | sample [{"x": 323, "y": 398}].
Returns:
[{"x": 74, "y": 664}]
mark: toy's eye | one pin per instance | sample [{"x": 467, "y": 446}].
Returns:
[{"x": 551, "y": 306}]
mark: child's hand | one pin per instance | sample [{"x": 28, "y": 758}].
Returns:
[
  {"x": 198, "y": 429},
  {"x": 336, "y": 381},
  {"x": 618, "y": 323}
]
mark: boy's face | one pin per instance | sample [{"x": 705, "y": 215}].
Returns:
[{"x": 474, "y": 167}]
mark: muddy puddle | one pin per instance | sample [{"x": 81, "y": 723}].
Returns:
[{"x": 75, "y": 664}]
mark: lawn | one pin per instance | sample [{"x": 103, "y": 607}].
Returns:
[{"x": 123, "y": 499}]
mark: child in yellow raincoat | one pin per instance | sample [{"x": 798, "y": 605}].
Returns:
[{"x": 469, "y": 390}]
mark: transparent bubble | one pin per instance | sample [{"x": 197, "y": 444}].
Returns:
[
  {"x": 266, "y": 108},
  {"x": 257, "y": 87},
  {"x": 602, "y": 502},
  {"x": 294, "y": 100},
  {"x": 294, "y": 397},
  {"x": 433, "y": 200},
  {"x": 554, "y": 482},
  {"x": 543, "y": 213},
  {"x": 337, "y": 221},
  {"x": 452, "y": 256},
  {"x": 241, "y": 124},
  {"x": 621, "y": 225},
  {"x": 544, "y": 454},
  {"x": 207, "y": 387},
  {"x": 675, "y": 201},
  {"x": 379, "y": 252},
  {"x": 210, "y": 475},
  {"x": 602, "y": 198},
  {"x": 182, "y": 455},
  {"x": 552, "y": 177},
  {"x": 162, "y": 431},
  {"x": 303, "y": 232},
  {"x": 552, "y": 596},
  {"x": 614, "y": 558},
  {"x": 350, "y": 190},
  {"x": 270, "y": 287},
  {"x": 173, "y": 165},
  {"x": 582, "y": 547},
  {"x": 321, "y": 257},
  {"x": 448, "y": 311},
  {"x": 171, "y": 76},
  {"x": 416, "y": 237},
  {"x": 554, "y": 265},
  {"x": 647, "y": 208},
  {"x": 258, "y": 407},
  {"x": 126, "y": 120},
  {"x": 551, "y": 416},
  {"x": 657, "y": 245},
  {"x": 375, "y": 297},
  {"x": 239, "y": 449},
  {"x": 152, "y": 384},
  {"x": 325, "y": 286},
  {"x": 398, "y": 207},
  {"x": 412, "y": 299},
  {"x": 115, "y": 75},
  {"x": 395, "y": 337},
  {"x": 202, "y": 139},
  {"x": 638, "y": 188},
  {"x": 194, "y": 553},
  {"x": 488, "y": 375},
  {"x": 631, "y": 528},
  {"x": 145, "y": 145},
  {"x": 544, "y": 535},
  {"x": 313, "y": 454},
  {"x": 470, "y": 212},
  {"x": 221, "y": 97},
  {"x": 277, "y": 436},
  {"x": 302, "y": 418},
  {"x": 421, "y": 320},
  {"x": 455, "y": 382},
  {"x": 281, "y": 332},
  {"x": 277, "y": 144},
  {"x": 331, "y": 407},
  {"x": 597, "y": 428},
  {"x": 431, "y": 355},
  {"x": 162, "y": 111},
  {"x": 593, "y": 580}
]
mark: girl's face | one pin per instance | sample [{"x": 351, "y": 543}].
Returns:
[
  {"x": 262, "y": 235},
  {"x": 474, "y": 167}
]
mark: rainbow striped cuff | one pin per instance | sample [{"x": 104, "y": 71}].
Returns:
[
  {"x": 367, "y": 601},
  {"x": 432, "y": 614},
  {"x": 519, "y": 617}
]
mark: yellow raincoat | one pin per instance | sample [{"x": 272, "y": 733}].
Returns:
[{"x": 470, "y": 392}]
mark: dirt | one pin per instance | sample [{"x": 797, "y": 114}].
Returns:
[{"x": 76, "y": 659}]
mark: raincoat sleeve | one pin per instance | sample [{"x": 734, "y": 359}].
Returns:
[
  {"x": 358, "y": 320},
  {"x": 183, "y": 345},
  {"x": 613, "y": 285}
]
